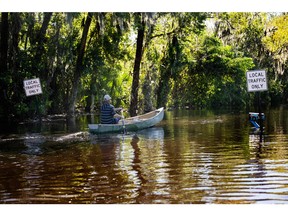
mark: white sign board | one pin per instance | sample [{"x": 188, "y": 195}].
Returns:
[
  {"x": 32, "y": 87},
  {"x": 256, "y": 80}
]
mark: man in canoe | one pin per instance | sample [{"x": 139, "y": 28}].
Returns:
[{"x": 108, "y": 112}]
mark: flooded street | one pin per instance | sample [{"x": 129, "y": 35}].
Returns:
[{"x": 192, "y": 157}]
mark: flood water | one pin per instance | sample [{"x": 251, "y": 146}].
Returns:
[{"x": 193, "y": 157}]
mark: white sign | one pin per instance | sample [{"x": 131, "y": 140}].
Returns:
[
  {"x": 32, "y": 87},
  {"x": 256, "y": 80}
]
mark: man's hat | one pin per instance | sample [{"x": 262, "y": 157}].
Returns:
[{"x": 107, "y": 97}]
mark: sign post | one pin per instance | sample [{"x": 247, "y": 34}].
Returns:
[
  {"x": 257, "y": 82},
  {"x": 33, "y": 87}
]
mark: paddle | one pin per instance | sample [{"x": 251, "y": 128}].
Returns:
[{"x": 123, "y": 122}]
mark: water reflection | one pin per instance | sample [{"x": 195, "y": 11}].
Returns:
[
  {"x": 138, "y": 165},
  {"x": 191, "y": 157}
]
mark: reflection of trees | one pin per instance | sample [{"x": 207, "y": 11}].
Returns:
[
  {"x": 59, "y": 172},
  {"x": 145, "y": 166},
  {"x": 206, "y": 157},
  {"x": 277, "y": 121},
  {"x": 136, "y": 166},
  {"x": 193, "y": 156},
  {"x": 194, "y": 159}
]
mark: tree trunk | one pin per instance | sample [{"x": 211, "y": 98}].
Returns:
[
  {"x": 79, "y": 65},
  {"x": 4, "y": 44},
  {"x": 41, "y": 35},
  {"x": 147, "y": 85},
  {"x": 147, "y": 93},
  {"x": 93, "y": 92},
  {"x": 168, "y": 71},
  {"x": 40, "y": 44},
  {"x": 14, "y": 61},
  {"x": 163, "y": 91},
  {"x": 136, "y": 71},
  {"x": 3, "y": 62}
]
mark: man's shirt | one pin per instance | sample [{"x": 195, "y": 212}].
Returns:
[{"x": 107, "y": 113}]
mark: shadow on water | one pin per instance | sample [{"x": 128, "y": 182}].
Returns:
[
  {"x": 49, "y": 125},
  {"x": 40, "y": 137},
  {"x": 37, "y": 144}
]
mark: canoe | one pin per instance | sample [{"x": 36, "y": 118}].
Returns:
[{"x": 130, "y": 124}]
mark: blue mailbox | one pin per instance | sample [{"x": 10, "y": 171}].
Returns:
[{"x": 254, "y": 117}]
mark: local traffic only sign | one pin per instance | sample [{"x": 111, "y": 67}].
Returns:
[
  {"x": 32, "y": 87},
  {"x": 256, "y": 81}
]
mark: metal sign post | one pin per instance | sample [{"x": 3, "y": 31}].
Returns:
[{"x": 257, "y": 82}]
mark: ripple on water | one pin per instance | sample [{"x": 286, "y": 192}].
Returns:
[{"x": 201, "y": 161}]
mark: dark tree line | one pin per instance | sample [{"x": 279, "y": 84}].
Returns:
[{"x": 143, "y": 60}]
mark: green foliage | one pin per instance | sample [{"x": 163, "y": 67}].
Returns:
[
  {"x": 277, "y": 36},
  {"x": 276, "y": 91},
  {"x": 184, "y": 63},
  {"x": 261, "y": 36},
  {"x": 220, "y": 72}
]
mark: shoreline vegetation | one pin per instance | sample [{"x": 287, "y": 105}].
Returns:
[{"x": 143, "y": 60}]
